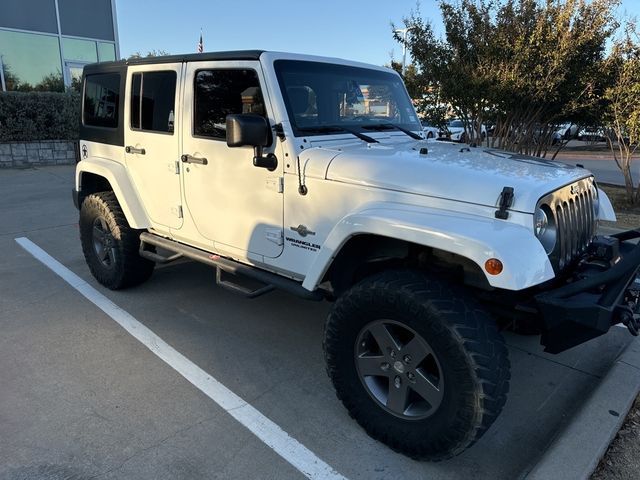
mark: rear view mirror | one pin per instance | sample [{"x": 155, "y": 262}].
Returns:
[
  {"x": 247, "y": 130},
  {"x": 253, "y": 131}
]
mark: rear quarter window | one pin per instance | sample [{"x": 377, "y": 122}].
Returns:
[{"x": 101, "y": 101}]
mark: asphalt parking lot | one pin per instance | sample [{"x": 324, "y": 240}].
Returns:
[{"x": 81, "y": 398}]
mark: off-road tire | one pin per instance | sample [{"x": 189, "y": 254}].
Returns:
[
  {"x": 470, "y": 350},
  {"x": 127, "y": 268}
]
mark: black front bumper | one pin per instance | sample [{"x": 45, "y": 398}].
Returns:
[{"x": 589, "y": 305}]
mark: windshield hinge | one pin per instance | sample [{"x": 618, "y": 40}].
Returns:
[{"x": 279, "y": 130}]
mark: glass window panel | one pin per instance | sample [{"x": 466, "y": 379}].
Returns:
[
  {"x": 81, "y": 18},
  {"x": 223, "y": 92},
  {"x": 31, "y": 62},
  {"x": 135, "y": 100},
  {"x": 80, "y": 50},
  {"x": 322, "y": 95},
  {"x": 157, "y": 104},
  {"x": 38, "y": 15},
  {"x": 101, "y": 100},
  {"x": 75, "y": 74},
  {"x": 106, "y": 52}
]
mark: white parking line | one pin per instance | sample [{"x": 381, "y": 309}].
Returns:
[{"x": 267, "y": 431}]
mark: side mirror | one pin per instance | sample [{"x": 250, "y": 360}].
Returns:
[
  {"x": 253, "y": 131},
  {"x": 247, "y": 130}
]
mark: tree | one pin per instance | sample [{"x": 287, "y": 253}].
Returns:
[
  {"x": 527, "y": 65},
  {"x": 623, "y": 106},
  {"x": 150, "y": 53}
]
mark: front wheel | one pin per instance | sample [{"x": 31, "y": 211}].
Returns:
[
  {"x": 416, "y": 363},
  {"x": 110, "y": 245}
]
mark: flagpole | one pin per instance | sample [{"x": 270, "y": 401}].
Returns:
[{"x": 200, "y": 47}]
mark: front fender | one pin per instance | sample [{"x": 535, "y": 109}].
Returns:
[
  {"x": 605, "y": 210},
  {"x": 125, "y": 192},
  {"x": 476, "y": 238}
]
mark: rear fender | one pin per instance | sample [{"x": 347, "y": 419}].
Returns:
[{"x": 116, "y": 174}]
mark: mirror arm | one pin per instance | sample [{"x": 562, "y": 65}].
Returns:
[{"x": 270, "y": 162}]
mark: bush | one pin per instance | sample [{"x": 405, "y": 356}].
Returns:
[{"x": 32, "y": 116}]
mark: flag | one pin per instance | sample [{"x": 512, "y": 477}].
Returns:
[{"x": 200, "y": 44}]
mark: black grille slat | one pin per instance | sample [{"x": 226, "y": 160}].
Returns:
[
  {"x": 592, "y": 222},
  {"x": 568, "y": 230},
  {"x": 560, "y": 229},
  {"x": 574, "y": 229},
  {"x": 580, "y": 201}
]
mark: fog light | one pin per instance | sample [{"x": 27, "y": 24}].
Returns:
[{"x": 493, "y": 266}]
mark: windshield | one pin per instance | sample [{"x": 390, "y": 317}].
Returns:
[
  {"x": 456, "y": 123},
  {"x": 322, "y": 94}
]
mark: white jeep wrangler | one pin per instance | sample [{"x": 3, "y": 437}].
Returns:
[{"x": 312, "y": 175}]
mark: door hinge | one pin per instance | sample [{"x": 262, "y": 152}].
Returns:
[
  {"x": 275, "y": 235},
  {"x": 177, "y": 211},
  {"x": 276, "y": 184}
]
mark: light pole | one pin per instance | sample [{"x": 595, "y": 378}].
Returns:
[{"x": 405, "y": 31}]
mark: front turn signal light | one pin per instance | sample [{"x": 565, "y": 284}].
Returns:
[{"x": 493, "y": 266}]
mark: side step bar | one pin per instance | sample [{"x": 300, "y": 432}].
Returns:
[{"x": 270, "y": 280}]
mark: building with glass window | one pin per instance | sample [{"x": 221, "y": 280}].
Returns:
[{"x": 45, "y": 43}]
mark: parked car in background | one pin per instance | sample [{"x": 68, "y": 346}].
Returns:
[
  {"x": 592, "y": 134},
  {"x": 429, "y": 130},
  {"x": 565, "y": 131},
  {"x": 455, "y": 131}
]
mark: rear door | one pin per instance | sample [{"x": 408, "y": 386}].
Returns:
[
  {"x": 233, "y": 203},
  {"x": 152, "y": 140}
]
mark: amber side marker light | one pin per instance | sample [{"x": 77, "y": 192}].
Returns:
[{"x": 493, "y": 266}]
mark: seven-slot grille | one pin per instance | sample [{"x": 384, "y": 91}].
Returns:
[{"x": 572, "y": 213}]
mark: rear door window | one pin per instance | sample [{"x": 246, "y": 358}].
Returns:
[{"x": 153, "y": 96}]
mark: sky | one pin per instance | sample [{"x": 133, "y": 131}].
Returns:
[{"x": 353, "y": 29}]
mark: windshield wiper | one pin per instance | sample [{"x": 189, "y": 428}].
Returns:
[
  {"x": 389, "y": 126},
  {"x": 336, "y": 128}
]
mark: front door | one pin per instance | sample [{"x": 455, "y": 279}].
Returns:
[
  {"x": 152, "y": 139},
  {"x": 236, "y": 205}
]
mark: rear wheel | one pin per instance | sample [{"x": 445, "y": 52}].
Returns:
[
  {"x": 416, "y": 363},
  {"x": 110, "y": 245}
]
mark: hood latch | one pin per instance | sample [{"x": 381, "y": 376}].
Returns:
[{"x": 504, "y": 202}]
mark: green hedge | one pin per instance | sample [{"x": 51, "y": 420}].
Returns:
[{"x": 31, "y": 116}]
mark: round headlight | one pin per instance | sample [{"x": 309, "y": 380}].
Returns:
[
  {"x": 540, "y": 222},
  {"x": 545, "y": 229}
]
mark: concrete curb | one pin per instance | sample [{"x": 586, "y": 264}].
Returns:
[{"x": 577, "y": 450}]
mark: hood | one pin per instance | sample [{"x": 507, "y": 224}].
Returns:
[{"x": 450, "y": 171}]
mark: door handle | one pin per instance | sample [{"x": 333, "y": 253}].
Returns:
[
  {"x": 140, "y": 151},
  {"x": 191, "y": 159}
]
